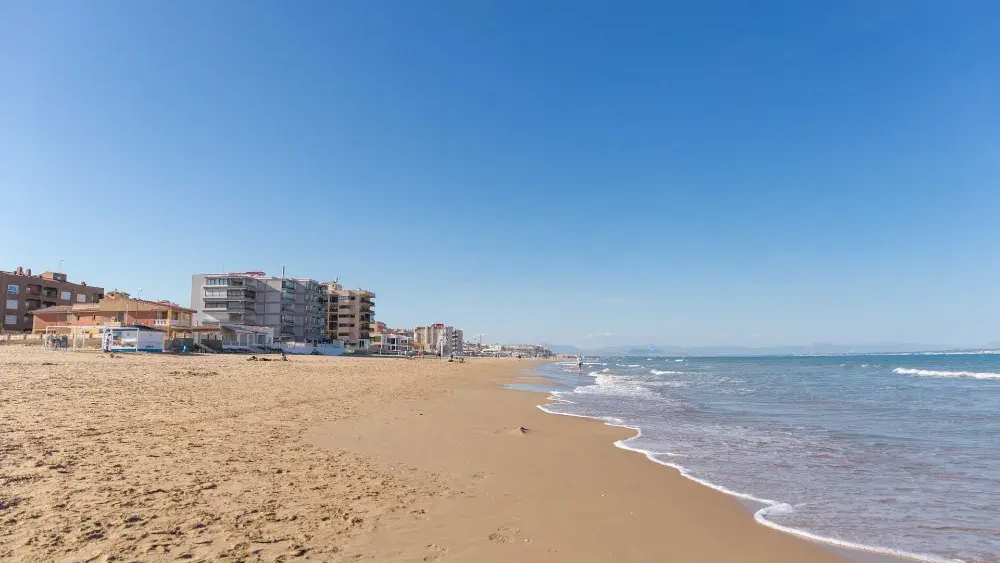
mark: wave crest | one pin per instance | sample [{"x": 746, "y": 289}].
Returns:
[{"x": 940, "y": 373}]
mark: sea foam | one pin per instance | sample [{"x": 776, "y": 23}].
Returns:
[{"x": 939, "y": 373}]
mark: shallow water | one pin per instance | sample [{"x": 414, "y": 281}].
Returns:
[{"x": 899, "y": 453}]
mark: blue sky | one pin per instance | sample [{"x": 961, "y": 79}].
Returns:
[{"x": 593, "y": 173}]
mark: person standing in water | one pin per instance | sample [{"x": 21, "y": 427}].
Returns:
[{"x": 579, "y": 363}]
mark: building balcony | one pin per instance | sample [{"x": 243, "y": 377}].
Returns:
[{"x": 171, "y": 322}]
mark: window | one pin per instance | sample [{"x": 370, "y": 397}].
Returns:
[
  {"x": 70, "y": 318},
  {"x": 13, "y": 289},
  {"x": 11, "y": 304},
  {"x": 66, "y": 296},
  {"x": 216, "y": 281},
  {"x": 81, "y": 298},
  {"x": 10, "y": 320},
  {"x": 215, "y": 293}
]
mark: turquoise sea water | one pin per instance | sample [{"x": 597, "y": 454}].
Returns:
[{"x": 893, "y": 453}]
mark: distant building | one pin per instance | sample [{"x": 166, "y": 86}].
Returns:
[
  {"x": 116, "y": 309},
  {"x": 292, "y": 307},
  {"x": 526, "y": 350},
  {"x": 390, "y": 340},
  {"x": 438, "y": 338},
  {"x": 349, "y": 315},
  {"x": 25, "y": 293}
]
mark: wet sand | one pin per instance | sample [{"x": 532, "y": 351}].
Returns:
[{"x": 213, "y": 458}]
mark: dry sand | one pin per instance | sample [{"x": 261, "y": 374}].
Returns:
[{"x": 213, "y": 458}]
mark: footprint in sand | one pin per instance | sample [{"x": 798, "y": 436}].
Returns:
[
  {"x": 504, "y": 534},
  {"x": 436, "y": 552}
]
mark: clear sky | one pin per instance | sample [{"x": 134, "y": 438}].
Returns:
[{"x": 576, "y": 172}]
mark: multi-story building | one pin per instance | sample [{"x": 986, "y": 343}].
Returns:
[
  {"x": 25, "y": 293},
  {"x": 438, "y": 338},
  {"x": 387, "y": 340},
  {"x": 116, "y": 309},
  {"x": 293, "y": 307},
  {"x": 349, "y": 315}
]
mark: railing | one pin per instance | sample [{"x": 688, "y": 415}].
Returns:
[{"x": 171, "y": 322}]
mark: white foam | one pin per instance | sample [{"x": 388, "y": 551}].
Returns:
[
  {"x": 616, "y": 386},
  {"x": 772, "y": 508},
  {"x": 938, "y": 373},
  {"x": 665, "y": 372}
]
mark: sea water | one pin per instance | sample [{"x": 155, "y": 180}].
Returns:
[{"x": 898, "y": 454}]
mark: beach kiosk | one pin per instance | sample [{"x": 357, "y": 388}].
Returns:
[{"x": 136, "y": 338}]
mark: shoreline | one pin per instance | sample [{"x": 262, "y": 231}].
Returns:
[
  {"x": 554, "y": 492},
  {"x": 758, "y": 508}
]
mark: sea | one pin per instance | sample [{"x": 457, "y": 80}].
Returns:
[{"x": 896, "y": 454}]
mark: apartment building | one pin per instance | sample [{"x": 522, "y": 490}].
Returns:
[
  {"x": 438, "y": 338},
  {"x": 117, "y": 309},
  {"x": 349, "y": 315},
  {"x": 293, "y": 307},
  {"x": 385, "y": 340},
  {"x": 26, "y": 293}
]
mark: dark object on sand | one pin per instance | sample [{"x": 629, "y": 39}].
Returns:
[{"x": 523, "y": 430}]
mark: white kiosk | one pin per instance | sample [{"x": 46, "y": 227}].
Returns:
[{"x": 132, "y": 339}]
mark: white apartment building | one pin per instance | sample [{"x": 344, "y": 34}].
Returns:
[{"x": 294, "y": 308}]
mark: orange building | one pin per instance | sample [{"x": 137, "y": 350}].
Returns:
[{"x": 116, "y": 309}]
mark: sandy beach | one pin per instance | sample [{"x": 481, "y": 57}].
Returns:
[{"x": 214, "y": 458}]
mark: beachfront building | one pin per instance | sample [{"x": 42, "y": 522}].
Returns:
[
  {"x": 25, "y": 293},
  {"x": 349, "y": 315},
  {"x": 292, "y": 307},
  {"x": 116, "y": 309},
  {"x": 387, "y": 340},
  {"x": 438, "y": 338},
  {"x": 227, "y": 336},
  {"x": 526, "y": 350}
]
